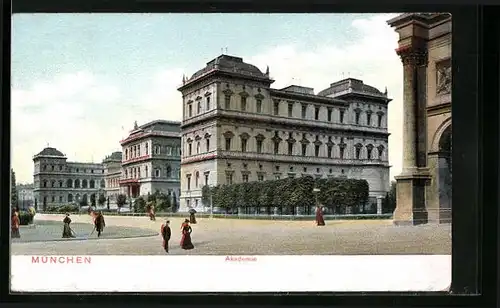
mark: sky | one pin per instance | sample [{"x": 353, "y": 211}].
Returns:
[{"x": 79, "y": 81}]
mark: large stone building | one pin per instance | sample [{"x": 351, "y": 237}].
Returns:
[
  {"x": 59, "y": 182},
  {"x": 424, "y": 187},
  {"x": 151, "y": 159},
  {"x": 236, "y": 128},
  {"x": 25, "y": 195},
  {"x": 112, "y": 165}
]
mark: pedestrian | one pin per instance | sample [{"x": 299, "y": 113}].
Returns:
[
  {"x": 14, "y": 227},
  {"x": 320, "y": 221},
  {"x": 165, "y": 234},
  {"x": 99, "y": 223},
  {"x": 186, "y": 242},
  {"x": 67, "y": 229}
]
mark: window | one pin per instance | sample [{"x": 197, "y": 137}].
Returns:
[
  {"x": 196, "y": 179},
  {"x": 243, "y": 104},
  {"x": 341, "y": 154},
  {"x": 228, "y": 144},
  {"x": 369, "y": 152},
  {"x": 357, "y": 115},
  {"x": 208, "y": 145},
  {"x": 190, "y": 110},
  {"x": 229, "y": 178},
  {"x": 195, "y": 202},
  {"x": 126, "y": 154},
  {"x": 369, "y": 119},
  {"x": 316, "y": 150},
  {"x": 259, "y": 146},
  {"x": 290, "y": 110},
  {"x": 379, "y": 120},
  {"x": 243, "y": 145},
  {"x": 157, "y": 173},
  {"x": 317, "y": 170},
  {"x": 329, "y": 150},
  {"x": 259, "y": 106},
  {"x": 44, "y": 183},
  {"x": 304, "y": 111},
  {"x": 146, "y": 170},
  {"x": 60, "y": 199},
  {"x": 53, "y": 199},
  {"x": 126, "y": 175},
  {"x": 44, "y": 167},
  {"x": 206, "y": 178},
  {"x": 169, "y": 171},
  {"x": 198, "y": 148},
  {"x": 276, "y": 147},
  {"x": 260, "y": 177},
  {"x": 227, "y": 101},
  {"x": 189, "y": 183},
  {"x": 157, "y": 149},
  {"x": 330, "y": 170},
  {"x": 316, "y": 113},
  {"x": 380, "y": 152},
  {"x": 190, "y": 149},
  {"x": 52, "y": 168},
  {"x": 304, "y": 169},
  {"x": 188, "y": 203},
  {"x": 277, "y": 168},
  {"x": 60, "y": 168},
  {"x": 290, "y": 148},
  {"x": 77, "y": 170},
  {"x": 147, "y": 149},
  {"x": 276, "y": 108},
  {"x": 60, "y": 183},
  {"x": 245, "y": 178},
  {"x": 208, "y": 103},
  {"x": 342, "y": 116},
  {"x": 53, "y": 183},
  {"x": 358, "y": 152},
  {"x": 169, "y": 151},
  {"x": 304, "y": 149}
]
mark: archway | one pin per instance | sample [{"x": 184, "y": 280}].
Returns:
[{"x": 445, "y": 174}]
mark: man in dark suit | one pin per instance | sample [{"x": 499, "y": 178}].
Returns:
[{"x": 165, "y": 234}]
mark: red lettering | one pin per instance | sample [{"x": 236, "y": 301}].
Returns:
[{"x": 35, "y": 259}]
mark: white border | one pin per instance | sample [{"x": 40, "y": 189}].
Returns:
[{"x": 231, "y": 273}]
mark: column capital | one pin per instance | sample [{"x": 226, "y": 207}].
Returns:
[{"x": 412, "y": 56}]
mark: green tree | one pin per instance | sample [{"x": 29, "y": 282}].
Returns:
[
  {"x": 140, "y": 205},
  {"x": 107, "y": 203},
  {"x": 121, "y": 200},
  {"x": 101, "y": 200},
  {"x": 206, "y": 193},
  {"x": 174, "y": 202},
  {"x": 13, "y": 190}
]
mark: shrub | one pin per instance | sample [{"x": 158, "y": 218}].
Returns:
[
  {"x": 287, "y": 194},
  {"x": 121, "y": 200},
  {"x": 139, "y": 205},
  {"x": 67, "y": 208},
  {"x": 24, "y": 218}
]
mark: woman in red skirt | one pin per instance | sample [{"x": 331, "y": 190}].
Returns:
[{"x": 186, "y": 235}]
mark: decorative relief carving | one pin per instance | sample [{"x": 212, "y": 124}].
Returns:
[{"x": 443, "y": 77}]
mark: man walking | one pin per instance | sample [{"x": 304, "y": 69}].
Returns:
[
  {"x": 99, "y": 223},
  {"x": 165, "y": 234}
]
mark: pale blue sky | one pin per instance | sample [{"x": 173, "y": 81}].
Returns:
[{"x": 92, "y": 74}]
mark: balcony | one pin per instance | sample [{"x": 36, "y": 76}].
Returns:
[
  {"x": 136, "y": 159},
  {"x": 129, "y": 182}
]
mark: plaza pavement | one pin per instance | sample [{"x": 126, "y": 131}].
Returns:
[{"x": 254, "y": 237}]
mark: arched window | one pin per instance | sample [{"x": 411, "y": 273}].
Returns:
[
  {"x": 60, "y": 183},
  {"x": 169, "y": 171},
  {"x": 157, "y": 173},
  {"x": 44, "y": 183},
  {"x": 358, "y": 150},
  {"x": 126, "y": 154},
  {"x": 92, "y": 184},
  {"x": 380, "y": 149},
  {"x": 53, "y": 184},
  {"x": 369, "y": 150},
  {"x": 146, "y": 170},
  {"x": 70, "y": 198},
  {"x": 197, "y": 179},
  {"x": 69, "y": 183},
  {"x": 77, "y": 183},
  {"x": 147, "y": 149},
  {"x": 84, "y": 184}
]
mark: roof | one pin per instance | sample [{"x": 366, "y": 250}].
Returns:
[
  {"x": 426, "y": 18},
  {"x": 230, "y": 65},
  {"x": 115, "y": 156},
  {"x": 50, "y": 152},
  {"x": 351, "y": 85}
]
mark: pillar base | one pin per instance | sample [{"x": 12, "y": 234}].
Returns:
[{"x": 410, "y": 198}]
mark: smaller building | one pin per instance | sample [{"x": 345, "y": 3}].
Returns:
[
  {"x": 112, "y": 165},
  {"x": 151, "y": 159},
  {"x": 25, "y": 197}
]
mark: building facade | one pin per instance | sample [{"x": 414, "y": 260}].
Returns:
[
  {"x": 112, "y": 165},
  {"x": 57, "y": 181},
  {"x": 424, "y": 186},
  {"x": 151, "y": 159},
  {"x": 25, "y": 195},
  {"x": 236, "y": 128}
]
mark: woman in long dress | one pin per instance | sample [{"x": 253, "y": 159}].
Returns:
[
  {"x": 186, "y": 235},
  {"x": 67, "y": 229},
  {"x": 319, "y": 216},
  {"x": 14, "y": 227}
]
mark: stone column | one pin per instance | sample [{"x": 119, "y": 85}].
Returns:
[
  {"x": 379, "y": 205},
  {"x": 411, "y": 184}
]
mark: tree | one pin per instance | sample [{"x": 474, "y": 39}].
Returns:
[
  {"x": 174, "y": 202},
  {"x": 140, "y": 205},
  {"x": 121, "y": 200},
  {"x": 108, "y": 203},
  {"x": 92, "y": 200},
  {"x": 13, "y": 192},
  {"x": 101, "y": 200}
]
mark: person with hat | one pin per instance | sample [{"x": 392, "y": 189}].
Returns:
[
  {"x": 67, "y": 229},
  {"x": 165, "y": 234},
  {"x": 186, "y": 242}
]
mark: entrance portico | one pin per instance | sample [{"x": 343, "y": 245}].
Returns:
[{"x": 132, "y": 187}]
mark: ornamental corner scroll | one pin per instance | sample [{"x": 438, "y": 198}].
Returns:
[
  {"x": 443, "y": 77},
  {"x": 413, "y": 56}
]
